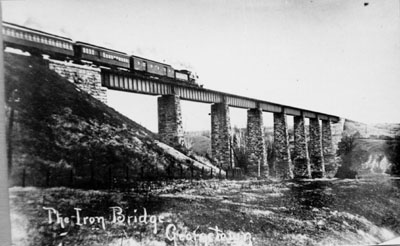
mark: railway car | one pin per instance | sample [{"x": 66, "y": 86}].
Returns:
[
  {"x": 150, "y": 66},
  {"x": 37, "y": 42},
  {"x": 181, "y": 75},
  {"x": 186, "y": 75},
  {"x": 101, "y": 56}
]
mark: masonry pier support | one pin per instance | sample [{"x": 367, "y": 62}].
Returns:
[
  {"x": 282, "y": 161},
  {"x": 301, "y": 160},
  {"x": 221, "y": 135},
  {"x": 316, "y": 155},
  {"x": 170, "y": 127},
  {"x": 327, "y": 149},
  {"x": 255, "y": 145}
]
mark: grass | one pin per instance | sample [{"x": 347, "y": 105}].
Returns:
[{"x": 291, "y": 213}]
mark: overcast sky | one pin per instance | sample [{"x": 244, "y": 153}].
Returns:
[{"x": 337, "y": 57}]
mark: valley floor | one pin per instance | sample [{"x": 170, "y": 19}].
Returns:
[{"x": 211, "y": 212}]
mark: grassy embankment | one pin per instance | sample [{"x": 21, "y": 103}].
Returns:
[{"x": 60, "y": 136}]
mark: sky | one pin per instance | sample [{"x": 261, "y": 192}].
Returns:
[{"x": 340, "y": 57}]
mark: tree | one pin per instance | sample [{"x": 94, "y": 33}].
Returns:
[
  {"x": 393, "y": 154},
  {"x": 345, "y": 151},
  {"x": 239, "y": 150}
]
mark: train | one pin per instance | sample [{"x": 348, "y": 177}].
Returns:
[{"x": 38, "y": 42}]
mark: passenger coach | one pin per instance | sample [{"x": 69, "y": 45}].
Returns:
[
  {"x": 100, "y": 55},
  {"x": 37, "y": 42},
  {"x": 150, "y": 66}
]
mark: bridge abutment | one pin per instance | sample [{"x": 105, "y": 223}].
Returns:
[
  {"x": 170, "y": 127},
  {"x": 327, "y": 149},
  {"x": 282, "y": 161},
  {"x": 221, "y": 148},
  {"x": 85, "y": 78},
  {"x": 255, "y": 144},
  {"x": 301, "y": 160},
  {"x": 316, "y": 154}
]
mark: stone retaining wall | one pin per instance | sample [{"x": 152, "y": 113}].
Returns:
[{"x": 84, "y": 77}]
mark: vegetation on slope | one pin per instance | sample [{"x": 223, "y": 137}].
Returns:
[
  {"x": 393, "y": 152},
  {"x": 59, "y": 135},
  {"x": 366, "y": 150}
]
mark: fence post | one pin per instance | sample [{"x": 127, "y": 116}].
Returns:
[
  {"x": 181, "y": 171},
  {"x": 92, "y": 175},
  {"x": 191, "y": 173},
  {"x": 109, "y": 177},
  {"x": 47, "y": 178},
  {"x": 211, "y": 173},
  {"x": 23, "y": 177},
  {"x": 168, "y": 172},
  {"x": 127, "y": 173},
  {"x": 71, "y": 178}
]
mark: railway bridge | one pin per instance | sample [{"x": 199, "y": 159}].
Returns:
[{"x": 309, "y": 160}]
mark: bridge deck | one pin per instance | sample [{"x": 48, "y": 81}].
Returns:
[{"x": 125, "y": 81}]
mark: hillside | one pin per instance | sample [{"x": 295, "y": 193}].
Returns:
[
  {"x": 372, "y": 131},
  {"x": 368, "y": 149},
  {"x": 60, "y": 135},
  {"x": 371, "y": 145}
]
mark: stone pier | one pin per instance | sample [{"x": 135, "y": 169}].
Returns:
[
  {"x": 327, "y": 149},
  {"x": 301, "y": 160},
  {"x": 316, "y": 156},
  {"x": 256, "y": 152},
  {"x": 282, "y": 163},
  {"x": 170, "y": 127},
  {"x": 221, "y": 135}
]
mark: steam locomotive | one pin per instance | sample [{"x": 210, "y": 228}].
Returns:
[{"x": 37, "y": 42}]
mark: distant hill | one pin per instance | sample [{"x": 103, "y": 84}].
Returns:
[
  {"x": 370, "y": 146},
  {"x": 200, "y": 144},
  {"x": 368, "y": 156},
  {"x": 372, "y": 131},
  {"x": 60, "y": 135}
]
